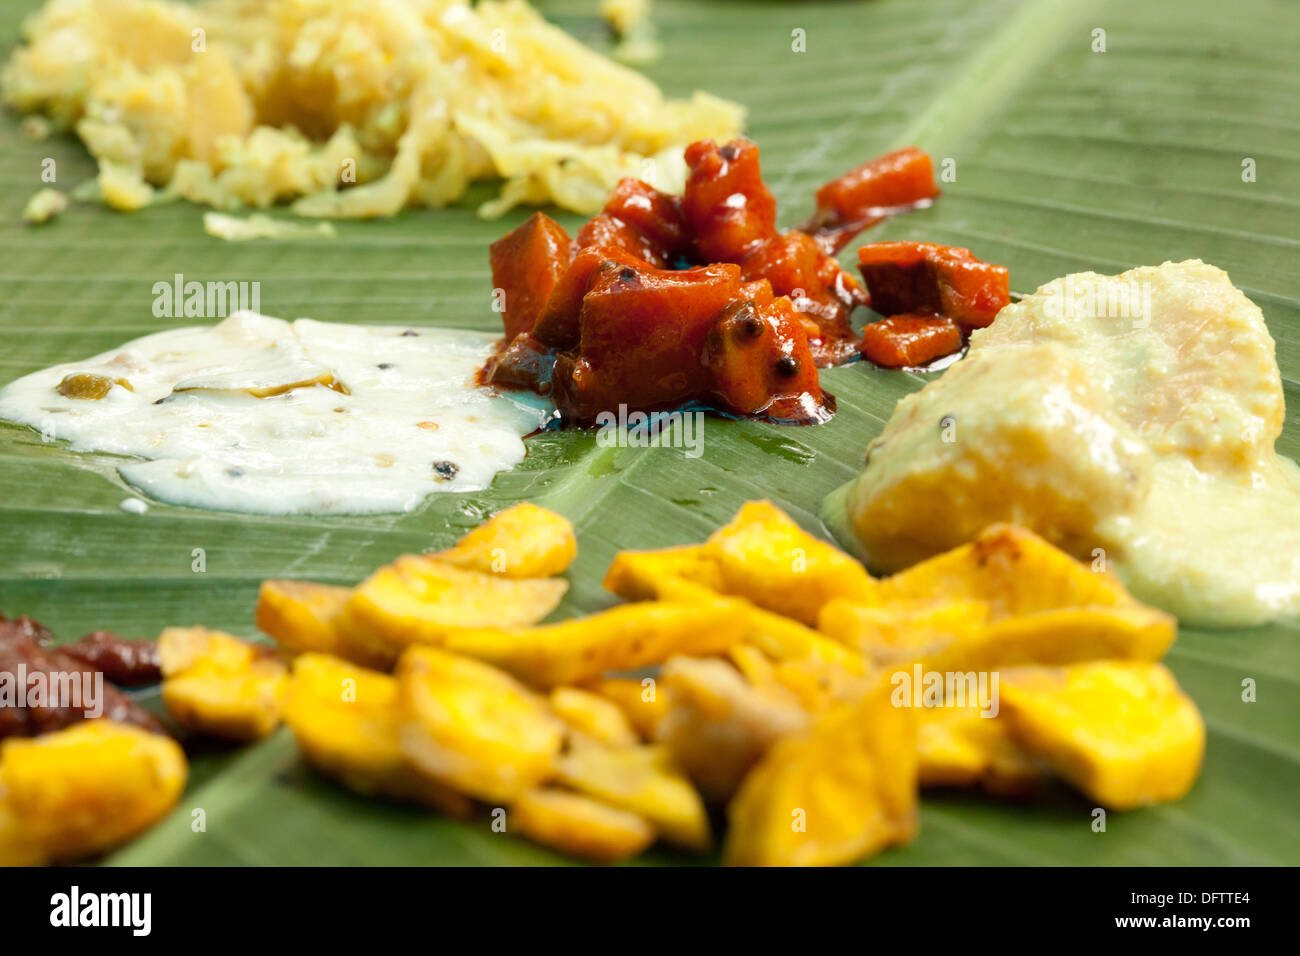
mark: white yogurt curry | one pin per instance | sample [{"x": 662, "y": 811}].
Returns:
[
  {"x": 261, "y": 415},
  {"x": 1130, "y": 419}
]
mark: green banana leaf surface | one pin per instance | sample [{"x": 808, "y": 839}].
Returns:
[{"x": 1066, "y": 157}]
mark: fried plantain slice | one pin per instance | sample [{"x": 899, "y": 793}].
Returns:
[
  {"x": 220, "y": 686},
  {"x": 1122, "y": 732},
  {"x": 347, "y": 720},
  {"x": 89, "y": 787},
  {"x": 422, "y": 600},
  {"x": 638, "y": 699},
  {"x": 718, "y": 724},
  {"x": 625, "y": 637},
  {"x": 959, "y": 747},
  {"x": 641, "y": 780},
  {"x": 303, "y": 615},
  {"x": 840, "y": 790},
  {"x": 766, "y": 558},
  {"x": 473, "y": 727},
  {"x": 523, "y": 541},
  {"x": 670, "y": 574},
  {"x": 593, "y": 715},
  {"x": 580, "y": 826}
]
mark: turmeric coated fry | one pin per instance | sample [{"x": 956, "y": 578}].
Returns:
[
  {"x": 419, "y": 600},
  {"x": 1123, "y": 732},
  {"x": 523, "y": 541},
  {"x": 838, "y": 791},
  {"x": 579, "y": 825},
  {"x": 641, "y": 780},
  {"x": 623, "y": 638},
  {"x": 218, "y": 685},
  {"x": 78, "y": 791},
  {"x": 347, "y": 722},
  {"x": 474, "y": 727}
]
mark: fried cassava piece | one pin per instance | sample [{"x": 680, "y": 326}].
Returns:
[{"x": 776, "y": 691}]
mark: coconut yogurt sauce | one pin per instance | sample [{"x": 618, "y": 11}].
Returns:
[{"x": 261, "y": 415}]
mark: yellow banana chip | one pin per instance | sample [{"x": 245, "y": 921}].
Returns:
[
  {"x": 89, "y": 787},
  {"x": 523, "y": 541},
  {"x": 766, "y": 558},
  {"x": 221, "y": 686},
  {"x": 626, "y": 637},
  {"x": 1122, "y": 732},
  {"x": 718, "y": 724},
  {"x": 841, "y": 790},
  {"x": 641, "y": 780},
  {"x": 579, "y": 826},
  {"x": 638, "y": 699},
  {"x": 347, "y": 722},
  {"x": 593, "y": 715},
  {"x": 959, "y": 747},
  {"x": 302, "y": 615},
  {"x": 421, "y": 600},
  {"x": 474, "y": 727}
]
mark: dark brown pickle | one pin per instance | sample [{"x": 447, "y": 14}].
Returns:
[
  {"x": 24, "y": 654},
  {"x": 126, "y": 663}
]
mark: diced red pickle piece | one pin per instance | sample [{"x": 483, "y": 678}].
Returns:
[
  {"x": 908, "y": 341},
  {"x": 727, "y": 209},
  {"x": 526, "y": 265},
  {"x": 761, "y": 364},
  {"x": 905, "y": 277},
  {"x": 875, "y": 190}
]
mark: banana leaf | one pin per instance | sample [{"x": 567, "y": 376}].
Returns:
[{"x": 1066, "y": 157}]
